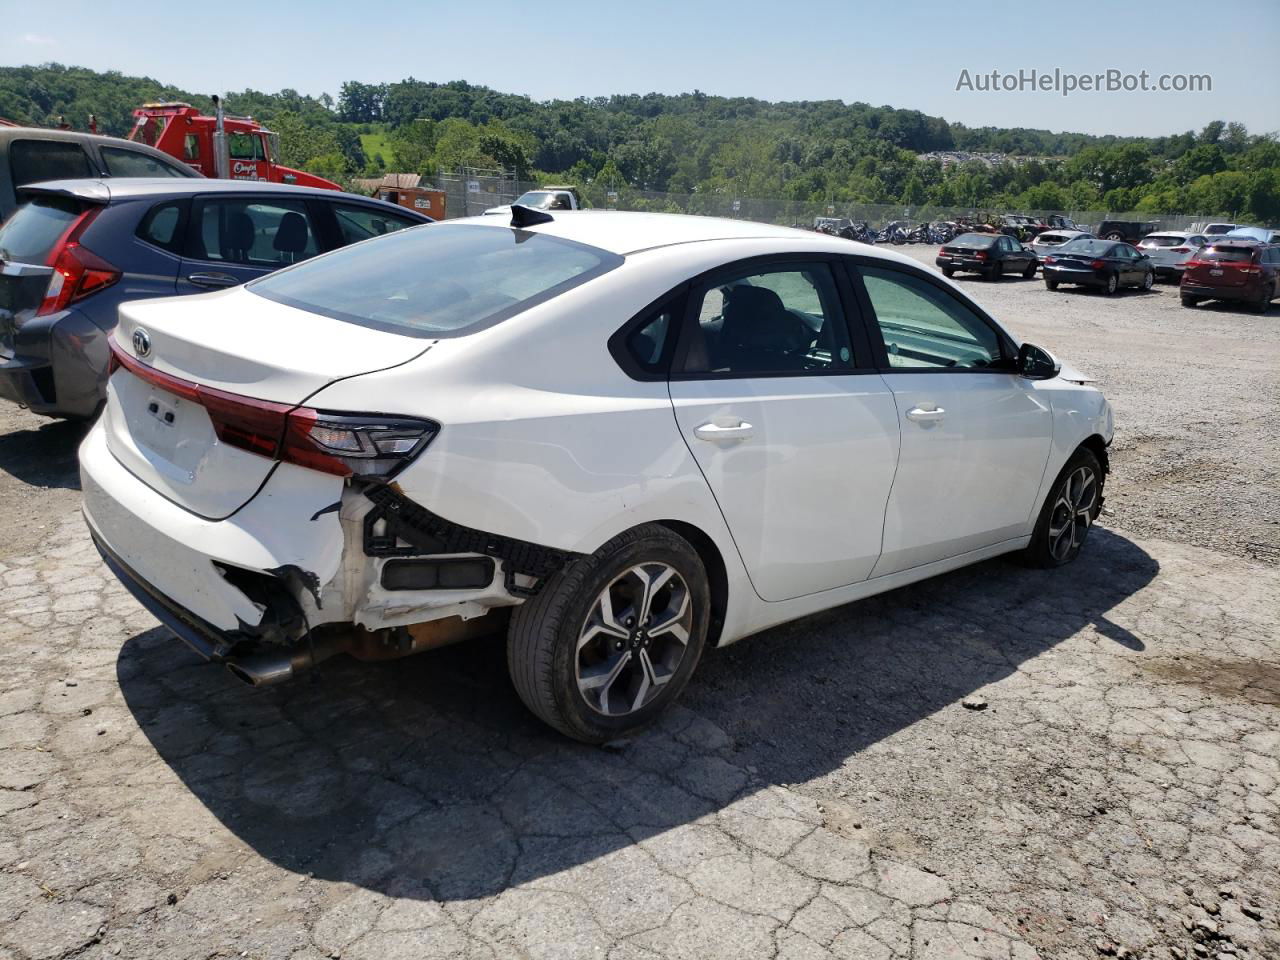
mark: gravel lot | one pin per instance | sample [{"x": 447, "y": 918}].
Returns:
[{"x": 998, "y": 763}]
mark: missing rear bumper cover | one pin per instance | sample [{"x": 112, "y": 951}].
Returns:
[{"x": 398, "y": 527}]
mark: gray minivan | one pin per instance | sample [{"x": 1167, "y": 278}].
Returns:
[
  {"x": 32, "y": 154},
  {"x": 79, "y": 248}
]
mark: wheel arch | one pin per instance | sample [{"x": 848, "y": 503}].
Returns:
[
  {"x": 717, "y": 573},
  {"x": 1096, "y": 445}
]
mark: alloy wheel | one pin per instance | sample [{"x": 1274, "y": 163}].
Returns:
[
  {"x": 1072, "y": 513},
  {"x": 634, "y": 639}
]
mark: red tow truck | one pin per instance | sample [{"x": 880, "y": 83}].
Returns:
[{"x": 227, "y": 147}]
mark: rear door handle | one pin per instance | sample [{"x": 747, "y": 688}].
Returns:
[
  {"x": 921, "y": 415},
  {"x": 214, "y": 280},
  {"x": 716, "y": 433}
]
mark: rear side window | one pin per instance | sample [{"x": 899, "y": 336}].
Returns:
[
  {"x": 446, "y": 280},
  {"x": 32, "y": 161},
  {"x": 160, "y": 226},
  {"x": 131, "y": 163},
  {"x": 30, "y": 235},
  {"x": 256, "y": 233},
  {"x": 356, "y": 223},
  {"x": 784, "y": 321}
]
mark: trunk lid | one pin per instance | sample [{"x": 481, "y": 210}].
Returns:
[
  {"x": 29, "y": 241},
  {"x": 193, "y": 361}
]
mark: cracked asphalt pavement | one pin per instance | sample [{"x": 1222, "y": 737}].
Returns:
[{"x": 999, "y": 763}]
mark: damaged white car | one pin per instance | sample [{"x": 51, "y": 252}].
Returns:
[{"x": 621, "y": 437}]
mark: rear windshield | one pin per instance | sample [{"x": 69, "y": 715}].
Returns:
[
  {"x": 437, "y": 280},
  {"x": 1093, "y": 248},
  {"x": 30, "y": 235},
  {"x": 1215, "y": 229},
  {"x": 1046, "y": 238},
  {"x": 1228, "y": 254},
  {"x": 1163, "y": 240},
  {"x": 974, "y": 241}
]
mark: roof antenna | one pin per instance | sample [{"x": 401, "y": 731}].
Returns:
[{"x": 522, "y": 216}]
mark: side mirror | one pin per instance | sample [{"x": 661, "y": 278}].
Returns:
[{"x": 1036, "y": 363}]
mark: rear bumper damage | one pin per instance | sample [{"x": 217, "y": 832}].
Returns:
[{"x": 311, "y": 567}]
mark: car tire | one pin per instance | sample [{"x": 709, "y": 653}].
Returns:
[
  {"x": 1112, "y": 285},
  {"x": 1050, "y": 284},
  {"x": 1190, "y": 301},
  {"x": 1114, "y": 235},
  {"x": 1148, "y": 280},
  {"x": 948, "y": 272},
  {"x": 1264, "y": 301},
  {"x": 1073, "y": 504},
  {"x": 546, "y": 653},
  {"x": 1030, "y": 272},
  {"x": 995, "y": 271}
]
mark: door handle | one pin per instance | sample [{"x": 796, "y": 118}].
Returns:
[
  {"x": 921, "y": 415},
  {"x": 213, "y": 280},
  {"x": 716, "y": 433}
]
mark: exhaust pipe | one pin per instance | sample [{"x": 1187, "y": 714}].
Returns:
[
  {"x": 271, "y": 667},
  {"x": 221, "y": 152}
]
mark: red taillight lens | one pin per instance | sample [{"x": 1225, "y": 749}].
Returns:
[
  {"x": 1050, "y": 259},
  {"x": 1098, "y": 264},
  {"x": 77, "y": 272},
  {"x": 980, "y": 255},
  {"x": 345, "y": 445}
]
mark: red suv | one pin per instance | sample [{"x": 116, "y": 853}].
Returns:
[{"x": 1241, "y": 270}]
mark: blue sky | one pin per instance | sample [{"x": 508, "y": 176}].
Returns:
[{"x": 901, "y": 53}]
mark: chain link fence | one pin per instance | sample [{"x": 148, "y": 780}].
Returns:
[{"x": 472, "y": 191}]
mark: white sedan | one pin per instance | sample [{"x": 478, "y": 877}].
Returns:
[{"x": 622, "y": 436}]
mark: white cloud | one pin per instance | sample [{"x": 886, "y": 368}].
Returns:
[{"x": 37, "y": 40}]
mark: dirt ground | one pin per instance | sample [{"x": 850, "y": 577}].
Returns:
[{"x": 997, "y": 763}]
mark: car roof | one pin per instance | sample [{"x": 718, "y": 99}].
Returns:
[
  {"x": 1172, "y": 233},
  {"x": 107, "y": 189},
  {"x": 624, "y": 232},
  {"x": 102, "y": 140}
]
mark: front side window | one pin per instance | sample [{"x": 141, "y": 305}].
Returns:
[
  {"x": 925, "y": 328},
  {"x": 782, "y": 321},
  {"x": 31, "y": 161},
  {"x": 131, "y": 163},
  {"x": 444, "y": 280},
  {"x": 257, "y": 233},
  {"x": 244, "y": 146},
  {"x": 356, "y": 223}
]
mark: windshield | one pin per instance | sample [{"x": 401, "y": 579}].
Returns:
[
  {"x": 30, "y": 235},
  {"x": 437, "y": 280},
  {"x": 536, "y": 199},
  {"x": 1092, "y": 248},
  {"x": 975, "y": 241}
]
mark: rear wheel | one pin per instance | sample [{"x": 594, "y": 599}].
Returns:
[
  {"x": 948, "y": 272},
  {"x": 608, "y": 644},
  {"x": 1050, "y": 284},
  {"x": 1264, "y": 301},
  {"x": 1114, "y": 235},
  {"x": 1148, "y": 280},
  {"x": 1030, "y": 272},
  {"x": 1113, "y": 284},
  {"x": 1074, "y": 502},
  {"x": 995, "y": 271}
]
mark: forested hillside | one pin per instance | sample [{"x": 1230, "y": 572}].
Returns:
[{"x": 816, "y": 151}]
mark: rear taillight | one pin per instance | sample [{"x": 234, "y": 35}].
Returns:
[
  {"x": 77, "y": 272},
  {"x": 1179, "y": 249},
  {"x": 365, "y": 445},
  {"x": 980, "y": 255},
  {"x": 1098, "y": 264},
  {"x": 1050, "y": 259},
  {"x": 1196, "y": 262}
]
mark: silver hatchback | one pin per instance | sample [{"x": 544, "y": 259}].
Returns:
[{"x": 1170, "y": 250}]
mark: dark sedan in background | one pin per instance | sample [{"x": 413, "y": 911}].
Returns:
[
  {"x": 1098, "y": 263},
  {"x": 77, "y": 249},
  {"x": 990, "y": 254}
]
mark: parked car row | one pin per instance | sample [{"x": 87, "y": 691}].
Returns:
[{"x": 1240, "y": 266}]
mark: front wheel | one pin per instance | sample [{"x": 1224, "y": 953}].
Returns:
[
  {"x": 1073, "y": 504},
  {"x": 1114, "y": 235},
  {"x": 1148, "y": 280},
  {"x": 608, "y": 643}
]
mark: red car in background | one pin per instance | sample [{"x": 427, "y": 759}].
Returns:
[{"x": 1240, "y": 270}]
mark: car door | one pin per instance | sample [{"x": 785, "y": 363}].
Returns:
[
  {"x": 232, "y": 239},
  {"x": 796, "y": 436},
  {"x": 975, "y": 435}
]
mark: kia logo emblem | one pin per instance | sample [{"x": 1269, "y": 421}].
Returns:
[{"x": 141, "y": 342}]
